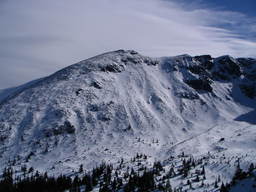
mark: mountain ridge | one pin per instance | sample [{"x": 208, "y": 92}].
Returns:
[{"x": 121, "y": 103}]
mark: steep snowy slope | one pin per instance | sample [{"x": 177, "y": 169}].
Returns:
[{"x": 121, "y": 103}]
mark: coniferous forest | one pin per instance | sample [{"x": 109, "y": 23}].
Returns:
[{"x": 106, "y": 178}]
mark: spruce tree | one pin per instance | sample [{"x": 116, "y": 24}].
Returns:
[
  {"x": 81, "y": 169},
  {"x": 251, "y": 168}
]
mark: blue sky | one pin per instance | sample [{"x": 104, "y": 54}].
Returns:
[
  {"x": 247, "y": 7},
  {"x": 40, "y": 37},
  {"x": 244, "y": 6}
]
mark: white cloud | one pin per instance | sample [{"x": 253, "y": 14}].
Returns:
[{"x": 40, "y": 37}]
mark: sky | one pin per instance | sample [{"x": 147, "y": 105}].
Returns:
[
  {"x": 40, "y": 37},
  {"x": 246, "y": 6}
]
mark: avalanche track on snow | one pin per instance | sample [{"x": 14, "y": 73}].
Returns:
[{"x": 121, "y": 103}]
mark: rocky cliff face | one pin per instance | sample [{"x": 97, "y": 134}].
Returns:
[{"x": 121, "y": 103}]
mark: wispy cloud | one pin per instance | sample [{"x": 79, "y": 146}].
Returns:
[{"x": 39, "y": 37}]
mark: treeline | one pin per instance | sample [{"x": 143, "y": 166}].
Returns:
[
  {"x": 109, "y": 179},
  {"x": 29, "y": 181},
  {"x": 104, "y": 177},
  {"x": 35, "y": 182},
  {"x": 238, "y": 176}
]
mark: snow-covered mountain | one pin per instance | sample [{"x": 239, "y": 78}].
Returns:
[{"x": 121, "y": 103}]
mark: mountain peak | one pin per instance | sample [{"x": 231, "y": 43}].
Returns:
[{"x": 115, "y": 104}]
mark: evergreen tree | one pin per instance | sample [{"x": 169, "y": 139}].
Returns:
[
  {"x": 203, "y": 171},
  {"x": 216, "y": 184},
  {"x": 168, "y": 187},
  {"x": 239, "y": 174},
  {"x": 31, "y": 170},
  {"x": 251, "y": 168},
  {"x": 223, "y": 188},
  {"x": 197, "y": 179},
  {"x": 81, "y": 169}
]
